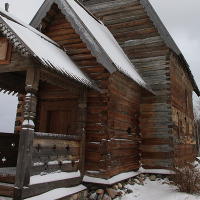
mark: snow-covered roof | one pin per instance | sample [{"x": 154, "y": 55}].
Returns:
[
  {"x": 96, "y": 36},
  {"x": 41, "y": 47},
  {"x": 107, "y": 42}
]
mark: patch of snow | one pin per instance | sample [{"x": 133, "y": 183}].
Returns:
[
  {"x": 94, "y": 142},
  {"x": 106, "y": 40},
  {"x": 112, "y": 180},
  {"x": 58, "y": 193},
  {"x": 54, "y": 162},
  {"x": 123, "y": 176},
  {"x": 36, "y": 179},
  {"x": 66, "y": 162},
  {"x": 38, "y": 164},
  {"x": 155, "y": 171},
  {"x": 156, "y": 190},
  {"x": 93, "y": 172},
  {"x": 121, "y": 139}
]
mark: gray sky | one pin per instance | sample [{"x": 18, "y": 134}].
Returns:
[{"x": 181, "y": 17}]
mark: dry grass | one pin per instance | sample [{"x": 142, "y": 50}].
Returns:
[{"x": 187, "y": 178}]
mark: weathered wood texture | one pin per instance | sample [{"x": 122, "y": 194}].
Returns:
[
  {"x": 57, "y": 109},
  {"x": 9, "y": 149},
  {"x": 60, "y": 30},
  {"x": 20, "y": 113},
  {"x": 132, "y": 27},
  {"x": 116, "y": 131},
  {"x": 138, "y": 37},
  {"x": 24, "y": 159},
  {"x": 123, "y": 124},
  {"x": 53, "y": 152},
  {"x": 5, "y": 51},
  {"x": 15, "y": 82},
  {"x": 182, "y": 112}
]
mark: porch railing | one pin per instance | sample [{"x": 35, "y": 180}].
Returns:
[
  {"x": 52, "y": 152},
  {"x": 8, "y": 149}
]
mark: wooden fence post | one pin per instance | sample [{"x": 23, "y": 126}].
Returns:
[{"x": 24, "y": 160}]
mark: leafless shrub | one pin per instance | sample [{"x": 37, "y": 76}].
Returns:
[{"x": 187, "y": 178}]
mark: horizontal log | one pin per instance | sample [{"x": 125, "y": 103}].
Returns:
[{"x": 39, "y": 135}]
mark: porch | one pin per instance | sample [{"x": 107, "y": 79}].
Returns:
[
  {"x": 47, "y": 149},
  {"x": 57, "y": 162}
]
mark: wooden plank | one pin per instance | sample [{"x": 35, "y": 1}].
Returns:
[
  {"x": 37, "y": 189},
  {"x": 6, "y": 190}
]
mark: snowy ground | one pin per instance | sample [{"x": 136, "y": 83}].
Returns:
[{"x": 156, "y": 190}]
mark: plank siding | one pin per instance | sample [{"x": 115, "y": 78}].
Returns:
[{"x": 182, "y": 112}]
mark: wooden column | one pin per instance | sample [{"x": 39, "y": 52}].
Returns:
[
  {"x": 82, "y": 122},
  {"x": 20, "y": 113},
  {"x": 24, "y": 161}
]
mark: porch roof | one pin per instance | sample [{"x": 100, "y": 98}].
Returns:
[{"x": 32, "y": 42}]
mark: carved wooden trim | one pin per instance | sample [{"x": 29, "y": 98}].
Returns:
[{"x": 24, "y": 161}]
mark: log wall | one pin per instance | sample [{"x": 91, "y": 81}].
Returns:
[
  {"x": 182, "y": 112},
  {"x": 138, "y": 37},
  {"x": 123, "y": 124},
  {"x": 59, "y": 29}
]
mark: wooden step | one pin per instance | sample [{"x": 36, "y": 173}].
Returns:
[
  {"x": 76, "y": 192},
  {"x": 6, "y": 189},
  {"x": 7, "y": 175},
  {"x": 40, "y": 184},
  {"x": 7, "y": 178},
  {"x": 5, "y": 198}
]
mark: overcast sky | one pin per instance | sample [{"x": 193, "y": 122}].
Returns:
[{"x": 181, "y": 17}]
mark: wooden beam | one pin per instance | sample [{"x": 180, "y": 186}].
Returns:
[
  {"x": 82, "y": 121},
  {"x": 27, "y": 134},
  {"x": 12, "y": 68}
]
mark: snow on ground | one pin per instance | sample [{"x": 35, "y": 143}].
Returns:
[
  {"x": 58, "y": 193},
  {"x": 123, "y": 176},
  {"x": 54, "y": 176},
  {"x": 156, "y": 190}
]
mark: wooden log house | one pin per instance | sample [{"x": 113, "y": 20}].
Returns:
[{"x": 96, "y": 98}]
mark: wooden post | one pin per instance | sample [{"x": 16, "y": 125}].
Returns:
[
  {"x": 20, "y": 113},
  {"x": 24, "y": 161},
  {"x": 82, "y": 120}
]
